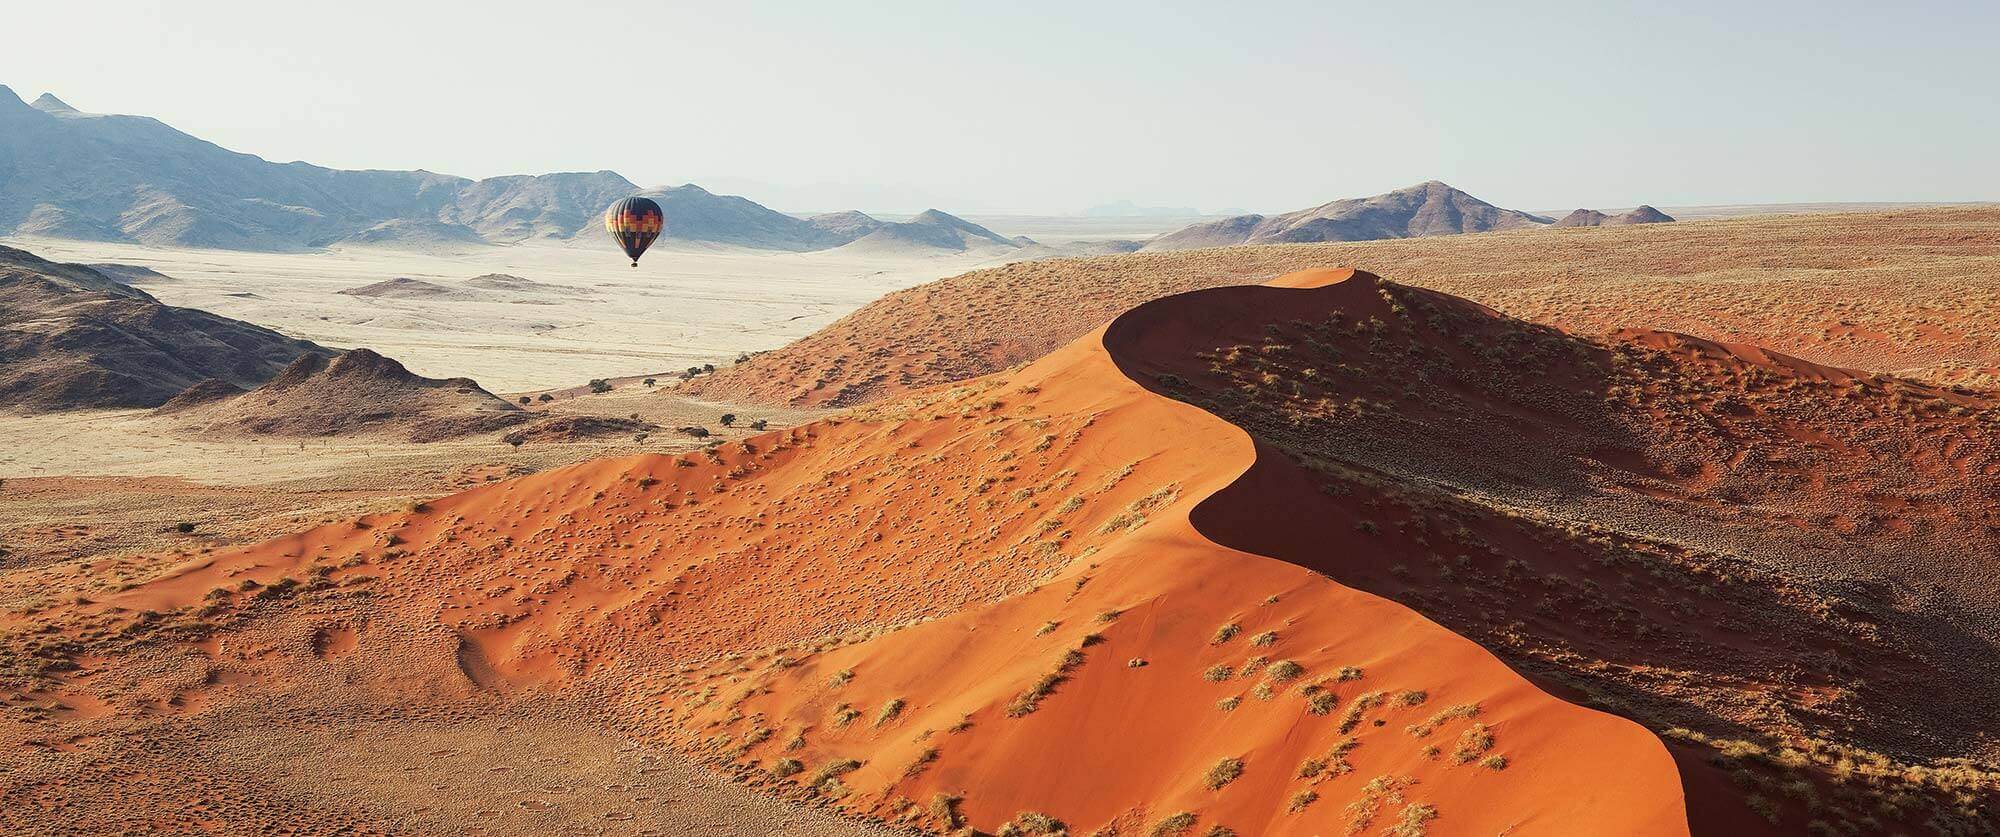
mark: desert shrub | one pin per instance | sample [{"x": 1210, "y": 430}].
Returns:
[
  {"x": 1321, "y": 702},
  {"x": 1225, "y": 633},
  {"x": 944, "y": 809},
  {"x": 1224, "y": 772},
  {"x": 1475, "y": 741},
  {"x": 1177, "y": 824},
  {"x": 830, "y": 772},
  {"x": 922, "y": 763},
  {"x": 600, "y": 386},
  {"x": 787, "y": 767},
  {"x": 1035, "y": 822}
]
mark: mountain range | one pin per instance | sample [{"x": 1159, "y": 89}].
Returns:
[{"x": 65, "y": 173}]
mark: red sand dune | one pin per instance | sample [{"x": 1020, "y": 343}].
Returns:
[{"x": 1056, "y": 591}]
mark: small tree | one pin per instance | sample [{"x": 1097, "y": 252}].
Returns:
[
  {"x": 708, "y": 367},
  {"x": 545, "y": 398},
  {"x": 759, "y": 425},
  {"x": 728, "y": 419},
  {"x": 600, "y": 386},
  {"x": 184, "y": 527},
  {"x": 649, "y": 383},
  {"x": 525, "y": 400}
]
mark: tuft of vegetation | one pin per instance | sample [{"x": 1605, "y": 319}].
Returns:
[
  {"x": 1224, "y": 772},
  {"x": 944, "y": 809},
  {"x": 829, "y": 773},
  {"x": 1225, "y": 633},
  {"x": 1034, "y": 822},
  {"x": 1473, "y": 743},
  {"x": 1284, "y": 671},
  {"x": 1321, "y": 702},
  {"x": 1180, "y": 823},
  {"x": 1431, "y": 724}
]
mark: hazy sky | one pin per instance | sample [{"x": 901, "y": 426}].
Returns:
[{"x": 1054, "y": 106}]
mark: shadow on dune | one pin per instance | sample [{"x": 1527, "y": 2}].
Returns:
[{"x": 1518, "y": 486}]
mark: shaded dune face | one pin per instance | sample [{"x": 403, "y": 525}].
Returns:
[
  {"x": 1160, "y": 659},
  {"x": 1713, "y": 539},
  {"x": 1336, "y": 555}
]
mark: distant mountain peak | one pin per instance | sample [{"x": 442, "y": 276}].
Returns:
[
  {"x": 48, "y": 103},
  {"x": 1642, "y": 214},
  {"x": 1432, "y": 207}
]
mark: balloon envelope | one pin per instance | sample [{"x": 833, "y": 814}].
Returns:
[{"x": 633, "y": 223}]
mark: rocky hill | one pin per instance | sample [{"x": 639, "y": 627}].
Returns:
[
  {"x": 73, "y": 338},
  {"x": 929, "y": 232},
  {"x": 359, "y": 392},
  {"x": 1593, "y": 218},
  {"x": 1430, "y": 208}
]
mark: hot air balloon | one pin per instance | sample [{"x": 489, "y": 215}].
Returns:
[{"x": 634, "y": 223}]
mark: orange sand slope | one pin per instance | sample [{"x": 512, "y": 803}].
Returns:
[
  {"x": 985, "y": 606},
  {"x": 1131, "y": 687}
]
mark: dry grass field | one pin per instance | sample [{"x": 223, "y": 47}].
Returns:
[
  {"x": 1915, "y": 292},
  {"x": 1406, "y": 565}
]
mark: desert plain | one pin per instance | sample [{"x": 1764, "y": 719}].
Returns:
[{"x": 1668, "y": 529}]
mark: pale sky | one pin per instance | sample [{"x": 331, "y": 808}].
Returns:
[{"x": 1050, "y": 107}]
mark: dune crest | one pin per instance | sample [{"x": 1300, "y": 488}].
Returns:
[{"x": 1339, "y": 709}]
